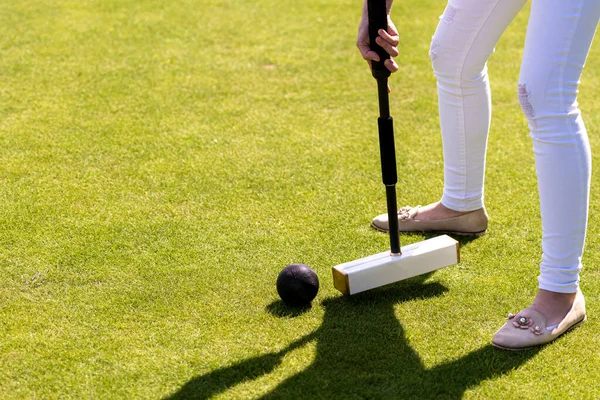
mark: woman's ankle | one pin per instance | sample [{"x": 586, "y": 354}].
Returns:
[
  {"x": 553, "y": 305},
  {"x": 437, "y": 210}
]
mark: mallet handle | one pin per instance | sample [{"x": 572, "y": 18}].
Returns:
[{"x": 378, "y": 20}]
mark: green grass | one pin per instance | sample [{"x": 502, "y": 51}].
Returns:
[{"x": 161, "y": 162}]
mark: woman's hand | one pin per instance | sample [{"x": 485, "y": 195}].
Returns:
[{"x": 387, "y": 40}]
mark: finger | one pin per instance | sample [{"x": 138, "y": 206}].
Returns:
[
  {"x": 389, "y": 48},
  {"x": 391, "y": 65},
  {"x": 391, "y": 30},
  {"x": 366, "y": 52},
  {"x": 391, "y": 36}
]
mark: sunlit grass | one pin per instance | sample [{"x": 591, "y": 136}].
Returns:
[{"x": 161, "y": 162}]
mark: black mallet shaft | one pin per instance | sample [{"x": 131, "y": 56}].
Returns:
[{"x": 378, "y": 20}]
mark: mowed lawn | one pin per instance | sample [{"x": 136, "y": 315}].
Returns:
[{"x": 162, "y": 161}]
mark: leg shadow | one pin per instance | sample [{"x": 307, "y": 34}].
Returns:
[{"x": 362, "y": 352}]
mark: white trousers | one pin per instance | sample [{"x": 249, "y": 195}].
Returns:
[{"x": 559, "y": 36}]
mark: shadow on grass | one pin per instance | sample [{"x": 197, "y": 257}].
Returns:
[
  {"x": 464, "y": 240},
  {"x": 362, "y": 352},
  {"x": 282, "y": 310}
]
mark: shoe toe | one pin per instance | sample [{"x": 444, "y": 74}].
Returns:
[
  {"x": 381, "y": 222},
  {"x": 532, "y": 332},
  {"x": 508, "y": 337}
]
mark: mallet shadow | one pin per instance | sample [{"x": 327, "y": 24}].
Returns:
[
  {"x": 362, "y": 352},
  {"x": 462, "y": 239}
]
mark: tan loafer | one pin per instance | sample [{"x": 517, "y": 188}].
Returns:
[
  {"x": 473, "y": 223},
  {"x": 528, "y": 328}
]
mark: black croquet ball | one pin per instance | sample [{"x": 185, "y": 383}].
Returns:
[{"x": 297, "y": 284}]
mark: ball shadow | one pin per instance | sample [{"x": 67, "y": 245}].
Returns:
[{"x": 280, "y": 309}]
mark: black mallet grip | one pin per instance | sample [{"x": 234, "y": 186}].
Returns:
[{"x": 377, "y": 20}]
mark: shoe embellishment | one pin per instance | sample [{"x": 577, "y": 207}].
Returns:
[
  {"x": 406, "y": 213},
  {"x": 523, "y": 323}
]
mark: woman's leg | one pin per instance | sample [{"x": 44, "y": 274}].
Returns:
[
  {"x": 558, "y": 40},
  {"x": 464, "y": 40}
]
